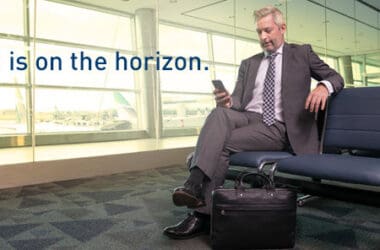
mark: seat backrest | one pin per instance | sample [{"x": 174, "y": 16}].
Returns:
[{"x": 353, "y": 120}]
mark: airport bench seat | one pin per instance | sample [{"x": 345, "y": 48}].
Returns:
[
  {"x": 342, "y": 168},
  {"x": 258, "y": 160},
  {"x": 352, "y": 124},
  {"x": 253, "y": 161}
]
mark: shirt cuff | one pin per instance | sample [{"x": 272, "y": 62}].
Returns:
[{"x": 328, "y": 85}]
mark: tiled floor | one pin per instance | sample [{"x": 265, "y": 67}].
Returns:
[{"x": 129, "y": 211}]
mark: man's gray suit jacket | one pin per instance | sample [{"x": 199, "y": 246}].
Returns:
[{"x": 299, "y": 65}]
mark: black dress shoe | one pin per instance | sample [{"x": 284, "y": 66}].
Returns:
[
  {"x": 194, "y": 225},
  {"x": 189, "y": 196}
]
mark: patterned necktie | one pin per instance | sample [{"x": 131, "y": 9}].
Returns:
[{"x": 268, "y": 93}]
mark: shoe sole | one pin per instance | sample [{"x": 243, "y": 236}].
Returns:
[
  {"x": 181, "y": 199},
  {"x": 177, "y": 237}
]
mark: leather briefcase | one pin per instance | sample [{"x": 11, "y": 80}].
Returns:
[{"x": 250, "y": 218}]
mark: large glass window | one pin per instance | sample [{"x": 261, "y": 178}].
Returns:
[
  {"x": 11, "y": 13},
  {"x": 176, "y": 41},
  {"x": 78, "y": 87},
  {"x": 84, "y": 110},
  {"x": 67, "y": 23},
  {"x": 81, "y": 67},
  {"x": 89, "y": 96},
  {"x": 228, "y": 75},
  {"x": 13, "y": 105},
  {"x": 10, "y": 50},
  {"x": 356, "y": 71},
  {"x": 186, "y": 94},
  {"x": 103, "y": 103},
  {"x": 230, "y": 50},
  {"x": 13, "y": 111}
]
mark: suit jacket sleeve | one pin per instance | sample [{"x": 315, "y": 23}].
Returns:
[
  {"x": 321, "y": 71},
  {"x": 238, "y": 93}
]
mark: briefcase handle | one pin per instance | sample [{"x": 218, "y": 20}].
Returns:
[{"x": 239, "y": 180}]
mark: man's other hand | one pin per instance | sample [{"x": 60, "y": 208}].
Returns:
[
  {"x": 222, "y": 98},
  {"x": 317, "y": 98}
]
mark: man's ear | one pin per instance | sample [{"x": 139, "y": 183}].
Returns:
[{"x": 283, "y": 28}]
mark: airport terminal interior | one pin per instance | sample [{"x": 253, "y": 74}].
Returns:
[{"x": 101, "y": 101}]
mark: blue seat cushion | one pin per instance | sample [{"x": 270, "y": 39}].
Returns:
[
  {"x": 255, "y": 158},
  {"x": 344, "y": 168}
]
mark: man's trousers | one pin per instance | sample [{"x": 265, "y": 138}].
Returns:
[{"x": 229, "y": 131}]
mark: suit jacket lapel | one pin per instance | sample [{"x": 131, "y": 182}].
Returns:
[
  {"x": 251, "y": 79},
  {"x": 285, "y": 67}
]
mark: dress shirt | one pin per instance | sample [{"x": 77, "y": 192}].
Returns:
[{"x": 256, "y": 104}]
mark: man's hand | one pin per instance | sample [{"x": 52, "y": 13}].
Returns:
[
  {"x": 317, "y": 98},
  {"x": 222, "y": 98}
]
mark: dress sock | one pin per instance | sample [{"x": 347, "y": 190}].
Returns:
[{"x": 196, "y": 177}]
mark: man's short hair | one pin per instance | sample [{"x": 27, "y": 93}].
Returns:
[{"x": 270, "y": 10}]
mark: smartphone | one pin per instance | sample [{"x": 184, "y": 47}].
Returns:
[{"x": 218, "y": 84}]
